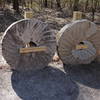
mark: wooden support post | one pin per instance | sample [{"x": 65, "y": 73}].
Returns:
[
  {"x": 77, "y": 15},
  {"x": 28, "y": 14}
]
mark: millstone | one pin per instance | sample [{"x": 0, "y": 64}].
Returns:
[
  {"x": 95, "y": 39},
  {"x": 78, "y": 42},
  {"x": 24, "y": 33}
]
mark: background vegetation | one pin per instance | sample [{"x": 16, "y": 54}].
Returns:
[
  {"x": 83, "y": 5},
  {"x": 65, "y": 6}
]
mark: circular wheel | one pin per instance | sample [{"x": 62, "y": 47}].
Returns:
[
  {"x": 76, "y": 43},
  {"x": 28, "y": 33}
]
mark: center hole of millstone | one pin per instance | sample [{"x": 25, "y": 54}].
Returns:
[
  {"x": 30, "y": 47},
  {"x": 81, "y": 46},
  {"x": 31, "y": 44},
  {"x": 81, "y": 43}
]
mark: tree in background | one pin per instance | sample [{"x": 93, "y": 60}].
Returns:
[
  {"x": 58, "y": 4},
  {"x": 75, "y": 5},
  {"x": 2, "y": 3},
  {"x": 45, "y": 3},
  {"x": 86, "y": 4},
  {"x": 61, "y": 5},
  {"x": 16, "y": 5}
]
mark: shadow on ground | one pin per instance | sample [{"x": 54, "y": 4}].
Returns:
[
  {"x": 88, "y": 75},
  {"x": 46, "y": 84}
]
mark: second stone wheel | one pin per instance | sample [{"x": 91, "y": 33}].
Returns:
[
  {"x": 24, "y": 33},
  {"x": 78, "y": 42}
]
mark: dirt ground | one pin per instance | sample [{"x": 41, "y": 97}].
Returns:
[{"x": 55, "y": 82}]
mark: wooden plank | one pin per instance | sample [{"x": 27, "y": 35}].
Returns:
[
  {"x": 32, "y": 49},
  {"x": 81, "y": 47}
]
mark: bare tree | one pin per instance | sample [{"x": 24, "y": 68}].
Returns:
[
  {"x": 51, "y": 4},
  {"x": 46, "y": 3},
  {"x": 75, "y": 5},
  {"x": 58, "y": 4},
  {"x": 86, "y": 4},
  {"x": 16, "y": 5},
  {"x": 93, "y": 10}
]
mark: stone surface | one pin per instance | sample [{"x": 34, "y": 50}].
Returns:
[
  {"x": 21, "y": 33},
  {"x": 73, "y": 34}
]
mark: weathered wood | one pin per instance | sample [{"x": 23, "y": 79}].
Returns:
[
  {"x": 76, "y": 33},
  {"x": 28, "y": 14},
  {"x": 18, "y": 35},
  {"x": 32, "y": 49},
  {"x": 77, "y": 15},
  {"x": 78, "y": 47}
]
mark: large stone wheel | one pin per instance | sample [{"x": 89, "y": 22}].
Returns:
[
  {"x": 24, "y": 33},
  {"x": 95, "y": 39},
  {"x": 78, "y": 42}
]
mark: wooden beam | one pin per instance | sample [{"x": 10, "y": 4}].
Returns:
[
  {"x": 32, "y": 49},
  {"x": 81, "y": 47}
]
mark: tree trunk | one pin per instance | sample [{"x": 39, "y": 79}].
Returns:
[
  {"x": 45, "y": 3},
  {"x": 31, "y": 3},
  {"x": 93, "y": 10},
  {"x": 75, "y": 6},
  {"x": 58, "y": 4},
  {"x": 86, "y": 5},
  {"x": 51, "y": 4},
  {"x": 16, "y": 5},
  {"x": 1, "y": 4},
  {"x": 95, "y": 4}
]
